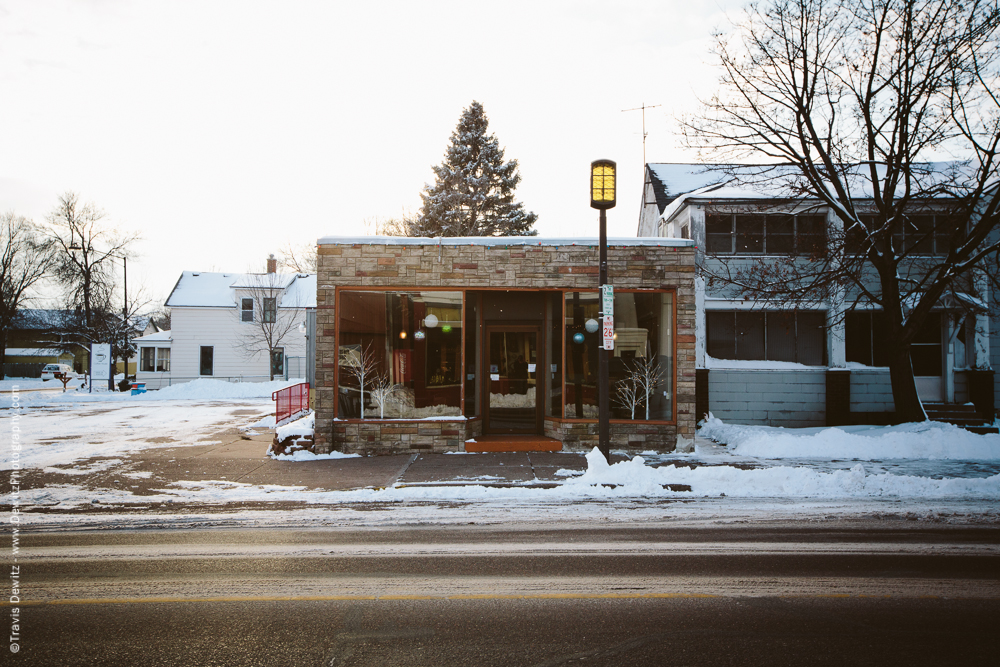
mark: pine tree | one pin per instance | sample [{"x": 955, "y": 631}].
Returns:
[{"x": 473, "y": 194}]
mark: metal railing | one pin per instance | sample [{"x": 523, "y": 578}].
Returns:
[{"x": 290, "y": 402}]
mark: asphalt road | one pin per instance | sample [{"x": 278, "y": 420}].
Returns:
[{"x": 543, "y": 595}]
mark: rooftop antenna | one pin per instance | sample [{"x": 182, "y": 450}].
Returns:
[{"x": 644, "y": 133}]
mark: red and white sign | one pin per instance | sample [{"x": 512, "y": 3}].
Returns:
[
  {"x": 609, "y": 332},
  {"x": 401, "y": 363}
]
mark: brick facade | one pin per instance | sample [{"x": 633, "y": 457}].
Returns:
[{"x": 511, "y": 263}]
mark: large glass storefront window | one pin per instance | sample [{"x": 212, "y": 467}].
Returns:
[
  {"x": 400, "y": 354},
  {"x": 582, "y": 338},
  {"x": 641, "y": 368},
  {"x": 642, "y": 364},
  {"x": 553, "y": 341},
  {"x": 472, "y": 345}
]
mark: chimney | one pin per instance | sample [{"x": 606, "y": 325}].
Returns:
[{"x": 272, "y": 264}]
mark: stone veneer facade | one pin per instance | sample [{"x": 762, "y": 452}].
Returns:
[{"x": 497, "y": 264}]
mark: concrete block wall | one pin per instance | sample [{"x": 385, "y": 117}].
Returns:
[
  {"x": 537, "y": 264},
  {"x": 871, "y": 391},
  {"x": 372, "y": 437},
  {"x": 794, "y": 398},
  {"x": 578, "y": 436}
]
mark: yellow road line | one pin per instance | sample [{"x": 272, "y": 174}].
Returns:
[{"x": 463, "y": 596}]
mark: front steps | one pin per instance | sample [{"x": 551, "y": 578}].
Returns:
[{"x": 963, "y": 416}]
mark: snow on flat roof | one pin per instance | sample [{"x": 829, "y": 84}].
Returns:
[
  {"x": 153, "y": 337},
  {"x": 199, "y": 289},
  {"x": 502, "y": 241}
]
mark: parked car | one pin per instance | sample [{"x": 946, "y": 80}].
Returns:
[{"x": 51, "y": 370}]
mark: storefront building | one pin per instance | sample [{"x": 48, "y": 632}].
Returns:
[{"x": 490, "y": 344}]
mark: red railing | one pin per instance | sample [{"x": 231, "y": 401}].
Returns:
[{"x": 290, "y": 401}]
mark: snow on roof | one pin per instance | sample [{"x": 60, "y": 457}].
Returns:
[
  {"x": 200, "y": 289},
  {"x": 301, "y": 293},
  {"x": 41, "y": 318},
  {"x": 159, "y": 336},
  {"x": 34, "y": 352},
  {"x": 685, "y": 182},
  {"x": 501, "y": 241}
]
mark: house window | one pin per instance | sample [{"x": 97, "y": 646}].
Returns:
[
  {"x": 925, "y": 351},
  {"x": 773, "y": 335},
  {"x": 760, "y": 233},
  {"x": 916, "y": 234},
  {"x": 246, "y": 310},
  {"x": 207, "y": 360},
  {"x": 163, "y": 359},
  {"x": 409, "y": 342},
  {"x": 865, "y": 338},
  {"x": 867, "y": 342},
  {"x": 278, "y": 362},
  {"x": 147, "y": 359},
  {"x": 270, "y": 310}
]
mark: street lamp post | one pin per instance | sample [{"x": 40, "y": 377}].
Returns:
[{"x": 602, "y": 197}]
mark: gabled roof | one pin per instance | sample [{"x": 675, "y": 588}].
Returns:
[
  {"x": 200, "y": 289},
  {"x": 684, "y": 182}
]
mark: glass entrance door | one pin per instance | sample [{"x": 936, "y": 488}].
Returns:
[{"x": 513, "y": 406}]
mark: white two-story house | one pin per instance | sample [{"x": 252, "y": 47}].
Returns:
[
  {"x": 771, "y": 363},
  {"x": 239, "y": 327}
]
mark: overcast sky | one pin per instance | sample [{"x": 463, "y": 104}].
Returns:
[{"x": 222, "y": 131}]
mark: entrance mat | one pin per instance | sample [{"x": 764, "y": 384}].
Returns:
[{"x": 513, "y": 443}]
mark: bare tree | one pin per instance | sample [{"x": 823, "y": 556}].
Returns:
[
  {"x": 299, "y": 258},
  {"x": 627, "y": 395},
  {"x": 161, "y": 318},
  {"x": 361, "y": 363},
  {"x": 636, "y": 388},
  {"x": 268, "y": 315},
  {"x": 86, "y": 253},
  {"x": 857, "y": 96},
  {"x": 404, "y": 225},
  {"x": 383, "y": 393},
  {"x": 25, "y": 259}
]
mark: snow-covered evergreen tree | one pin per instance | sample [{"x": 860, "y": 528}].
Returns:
[{"x": 473, "y": 193}]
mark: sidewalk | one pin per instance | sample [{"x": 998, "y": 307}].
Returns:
[{"x": 245, "y": 461}]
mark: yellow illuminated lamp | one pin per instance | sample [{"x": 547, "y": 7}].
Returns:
[{"x": 602, "y": 184}]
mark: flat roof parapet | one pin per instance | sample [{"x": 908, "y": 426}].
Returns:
[{"x": 504, "y": 241}]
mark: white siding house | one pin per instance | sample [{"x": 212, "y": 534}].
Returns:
[
  {"x": 778, "y": 364},
  {"x": 222, "y": 325}
]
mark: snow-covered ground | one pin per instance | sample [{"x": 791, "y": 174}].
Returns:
[
  {"x": 58, "y": 428},
  {"x": 868, "y": 469},
  {"x": 201, "y": 389}
]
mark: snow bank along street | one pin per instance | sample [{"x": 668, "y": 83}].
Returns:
[{"x": 203, "y": 444}]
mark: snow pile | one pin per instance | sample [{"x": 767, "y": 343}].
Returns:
[
  {"x": 924, "y": 440},
  {"x": 301, "y": 428},
  {"x": 201, "y": 389},
  {"x": 306, "y": 455},
  {"x": 204, "y": 388},
  {"x": 637, "y": 478}
]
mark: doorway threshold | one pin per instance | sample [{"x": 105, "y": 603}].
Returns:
[{"x": 514, "y": 443}]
